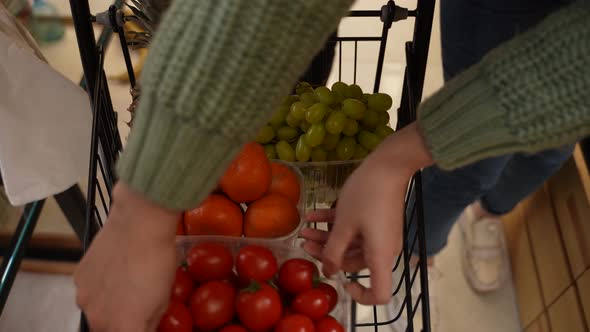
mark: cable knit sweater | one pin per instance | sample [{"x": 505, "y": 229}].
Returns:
[{"x": 217, "y": 69}]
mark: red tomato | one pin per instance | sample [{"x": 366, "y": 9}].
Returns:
[
  {"x": 180, "y": 226},
  {"x": 212, "y": 305},
  {"x": 209, "y": 261},
  {"x": 182, "y": 287},
  {"x": 177, "y": 318},
  {"x": 233, "y": 328},
  {"x": 297, "y": 275},
  {"x": 313, "y": 303},
  {"x": 328, "y": 324},
  {"x": 259, "y": 307},
  {"x": 286, "y": 311},
  {"x": 256, "y": 263},
  {"x": 233, "y": 280},
  {"x": 295, "y": 323},
  {"x": 331, "y": 293}
]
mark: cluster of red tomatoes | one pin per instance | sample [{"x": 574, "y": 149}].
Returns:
[{"x": 259, "y": 296}]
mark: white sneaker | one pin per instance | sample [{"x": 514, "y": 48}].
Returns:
[
  {"x": 398, "y": 303},
  {"x": 485, "y": 257}
]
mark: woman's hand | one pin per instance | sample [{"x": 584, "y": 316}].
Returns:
[
  {"x": 123, "y": 282},
  {"x": 368, "y": 220}
]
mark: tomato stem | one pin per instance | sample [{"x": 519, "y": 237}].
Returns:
[
  {"x": 273, "y": 285},
  {"x": 318, "y": 280},
  {"x": 253, "y": 287}
]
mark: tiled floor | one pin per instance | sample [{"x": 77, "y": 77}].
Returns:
[{"x": 45, "y": 302}]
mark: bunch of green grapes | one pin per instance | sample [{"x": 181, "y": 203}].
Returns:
[{"x": 322, "y": 124}]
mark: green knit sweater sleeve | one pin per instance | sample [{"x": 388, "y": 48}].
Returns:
[
  {"x": 215, "y": 72},
  {"x": 529, "y": 94}
]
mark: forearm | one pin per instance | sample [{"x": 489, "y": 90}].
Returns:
[
  {"x": 529, "y": 94},
  {"x": 404, "y": 152},
  {"x": 215, "y": 73}
]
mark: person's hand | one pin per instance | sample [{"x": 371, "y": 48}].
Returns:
[
  {"x": 368, "y": 220},
  {"x": 123, "y": 282}
]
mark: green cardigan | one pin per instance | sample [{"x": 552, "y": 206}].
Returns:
[{"x": 217, "y": 69}]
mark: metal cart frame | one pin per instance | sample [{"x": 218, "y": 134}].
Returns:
[{"x": 85, "y": 215}]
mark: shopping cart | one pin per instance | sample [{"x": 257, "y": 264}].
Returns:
[{"x": 106, "y": 143}]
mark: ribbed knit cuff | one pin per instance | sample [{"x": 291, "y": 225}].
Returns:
[
  {"x": 172, "y": 162},
  {"x": 463, "y": 122}
]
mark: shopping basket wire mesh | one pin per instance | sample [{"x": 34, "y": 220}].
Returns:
[{"x": 410, "y": 289}]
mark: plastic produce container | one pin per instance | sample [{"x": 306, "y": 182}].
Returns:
[
  {"x": 282, "y": 252},
  {"x": 323, "y": 181},
  {"x": 290, "y": 238}
]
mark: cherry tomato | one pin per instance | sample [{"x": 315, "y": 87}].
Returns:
[
  {"x": 259, "y": 307},
  {"x": 331, "y": 293},
  {"x": 297, "y": 275},
  {"x": 286, "y": 311},
  {"x": 180, "y": 226},
  {"x": 313, "y": 303},
  {"x": 295, "y": 323},
  {"x": 255, "y": 263},
  {"x": 182, "y": 287},
  {"x": 212, "y": 305},
  {"x": 286, "y": 297},
  {"x": 177, "y": 318},
  {"x": 233, "y": 280},
  {"x": 209, "y": 261},
  {"x": 328, "y": 324},
  {"x": 233, "y": 328}
]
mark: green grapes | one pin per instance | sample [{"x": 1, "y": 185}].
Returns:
[
  {"x": 325, "y": 124},
  {"x": 330, "y": 141},
  {"x": 339, "y": 90},
  {"x": 304, "y": 126},
  {"x": 335, "y": 122},
  {"x": 351, "y": 127},
  {"x": 366, "y": 98},
  {"x": 308, "y": 98},
  {"x": 303, "y": 87},
  {"x": 325, "y": 96},
  {"x": 332, "y": 156},
  {"x": 383, "y": 131},
  {"x": 302, "y": 150},
  {"x": 265, "y": 135},
  {"x": 371, "y": 119},
  {"x": 353, "y": 108},
  {"x": 380, "y": 102},
  {"x": 285, "y": 151},
  {"x": 298, "y": 110},
  {"x": 368, "y": 140},
  {"x": 292, "y": 122},
  {"x": 287, "y": 133},
  {"x": 315, "y": 135},
  {"x": 383, "y": 118},
  {"x": 339, "y": 87},
  {"x": 287, "y": 101},
  {"x": 354, "y": 91},
  {"x": 278, "y": 118},
  {"x": 319, "y": 154},
  {"x": 345, "y": 148},
  {"x": 269, "y": 150},
  {"x": 360, "y": 152},
  {"x": 316, "y": 113}
]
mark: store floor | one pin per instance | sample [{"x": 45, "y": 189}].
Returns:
[{"x": 44, "y": 302}]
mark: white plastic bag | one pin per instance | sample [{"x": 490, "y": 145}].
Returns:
[{"x": 45, "y": 120}]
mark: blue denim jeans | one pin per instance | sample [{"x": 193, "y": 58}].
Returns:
[{"x": 469, "y": 29}]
